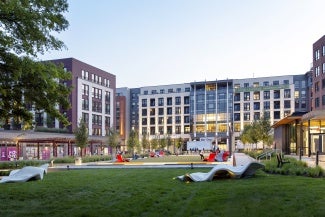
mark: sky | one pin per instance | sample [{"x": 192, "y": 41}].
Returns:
[{"x": 162, "y": 42}]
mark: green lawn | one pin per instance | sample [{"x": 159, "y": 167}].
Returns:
[{"x": 154, "y": 192}]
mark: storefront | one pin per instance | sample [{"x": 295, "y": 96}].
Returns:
[{"x": 301, "y": 133}]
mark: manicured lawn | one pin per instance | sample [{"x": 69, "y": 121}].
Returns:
[{"x": 154, "y": 192}]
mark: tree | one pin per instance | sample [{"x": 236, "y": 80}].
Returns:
[
  {"x": 145, "y": 142},
  {"x": 179, "y": 143},
  {"x": 154, "y": 143},
  {"x": 263, "y": 131},
  {"x": 162, "y": 142},
  {"x": 113, "y": 139},
  {"x": 258, "y": 131},
  {"x": 26, "y": 28},
  {"x": 133, "y": 141},
  {"x": 81, "y": 136}
]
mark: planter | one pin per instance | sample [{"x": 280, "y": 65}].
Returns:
[{"x": 78, "y": 161}]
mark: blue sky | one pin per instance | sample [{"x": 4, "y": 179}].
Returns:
[{"x": 157, "y": 42}]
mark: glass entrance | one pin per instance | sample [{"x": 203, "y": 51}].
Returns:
[{"x": 317, "y": 143}]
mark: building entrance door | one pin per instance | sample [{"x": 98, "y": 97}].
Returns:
[{"x": 318, "y": 143}]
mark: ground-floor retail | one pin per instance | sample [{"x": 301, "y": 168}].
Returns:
[{"x": 301, "y": 133}]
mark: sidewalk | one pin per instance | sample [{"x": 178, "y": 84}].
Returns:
[{"x": 311, "y": 161}]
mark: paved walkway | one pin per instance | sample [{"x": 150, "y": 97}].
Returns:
[
  {"x": 239, "y": 159},
  {"x": 311, "y": 161}
]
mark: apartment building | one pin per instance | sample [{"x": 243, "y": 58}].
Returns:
[
  {"x": 123, "y": 115},
  {"x": 318, "y": 97},
  {"x": 164, "y": 111},
  {"x": 92, "y": 98}
]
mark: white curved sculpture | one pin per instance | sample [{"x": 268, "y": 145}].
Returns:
[
  {"x": 223, "y": 171},
  {"x": 25, "y": 174}
]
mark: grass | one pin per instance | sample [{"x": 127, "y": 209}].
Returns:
[{"x": 154, "y": 192}]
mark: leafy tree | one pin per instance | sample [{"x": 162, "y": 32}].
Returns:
[
  {"x": 113, "y": 140},
  {"x": 169, "y": 142},
  {"x": 133, "y": 141},
  {"x": 145, "y": 142},
  {"x": 263, "y": 131},
  {"x": 179, "y": 143},
  {"x": 81, "y": 136},
  {"x": 154, "y": 143},
  {"x": 258, "y": 131},
  {"x": 163, "y": 142},
  {"x": 26, "y": 28}
]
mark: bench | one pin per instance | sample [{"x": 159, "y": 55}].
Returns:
[{"x": 281, "y": 161}]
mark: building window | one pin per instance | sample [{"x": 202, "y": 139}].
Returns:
[
  {"x": 152, "y": 102},
  {"x": 144, "y": 112},
  {"x": 152, "y": 112},
  {"x": 237, "y": 97},
  {"x": 145, "y": 92},
  {"x": 144, "y": 102},
  {"x": 144, "y": 130},
  {"x": 256, "y": 106},
  {"x": 276, "y": 114},
  {"x": 317, "y": 86},
  {"x": 287, "y": 93},
  {"x": 178, "y": 129},
  {"x": 316, "y": 102},
  {"x": 161, "y": 130},
  {"x": 317, "y": 54},
  {"x": 85, "y": 89},
  {"x": 170, "y": 91},
  {"x": 323, "y": 69},
  {"x": 177, "y": 119},
  {"x": 246, "y": 96},
  {"x": 144, "y": 121},
  {"x": 317, "y": 71},
  {"x": 152, "y": 121},
  {"x": 161, "y": 102},
  {"x": 187, "y": 89},
  {"x": 169, "y": 110},
  {"x": 266, "y": 83},
  {"x": 153, "y": 91},
  {"x": 162, "y": 91},
  {"x": 287, "y": 104},
  {"x": 276, "y": 104},
  {"x": 178, "y": 90},
  {"x": 275, "y": 83},
  {"x": 266, "y": 105},
  {"x": 276, "y": 94},
  {"x": 237, "y": 117},
  {"x": 323, "y": 100},
  {"x": 236, "y": 107},
  {"x": 256, "y": 115},
  {"x": 266, "y": 94},
  {"x": 169, "y": 120},
  {"x": 323, "y": 50},
  {"x": 178, "y": 110},
  {"x": 177, "y": 100},
  {"x": 246, "y": 84},
  {"x": 256, "y": 84},
  {"x": 169, "y": 101},
  {"x": 161, "y": 111},
  {"x": 160, "y": 120},
  {"x": 247, "y": 116},
  {"x": 186, "y": 100},
  {"x": 247, "y": 106},
  {"x": 256, "y": 95},
  {"x": 186, "y": 110},
  {"x": 186, "y": 119},
  {"x": 285, "y": 81}
]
